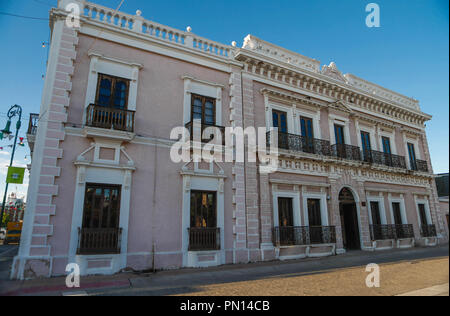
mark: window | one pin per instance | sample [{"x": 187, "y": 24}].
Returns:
[
  {"x": 203, "y": 209},
  {"x": 314, "y": 214},
  {"x": 339, "y": 133},
  {"x": 412, "y": 156},
  {"x": 397, "y": 213},
  {"x": 101, "y": 206},
  {"x": 280, "y": 121},
  {"x": 203, "y": 109},
  {"x": 423, "y": 215},
  {"x": 285, "y": 212},
  {"x": 100, "y": 232},
  {"x": 386, "y": 145},
  {"x": 112, "y": 92},
  {"x": 375, "y": 210},
  {"x": 366, "y": 148}
]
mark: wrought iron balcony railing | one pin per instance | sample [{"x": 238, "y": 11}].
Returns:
[
  {"x": 204, "y": 239},
  {"x": 191, "y": 128},
  {"x": 33, "y": 124},
  {"x": 381, "y": 158},
  {"x": 99, "y": 241},
  {"x": 385, "y": 232},
  {"x": 382, "y": 232},
  {"x": 345, "y": 151},
  {"x": 428, "y": 231},
  {"x": 110, "y": 118},
  {"x": 419, "y": 165},
  {"x": 302, "y": 144},
  {"x": 404, "y": 231},
  {"x": 303, "y": 235}
]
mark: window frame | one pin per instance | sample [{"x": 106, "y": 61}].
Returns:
[
  {"x": 114, "y": 80},
  {"x": 204, "y": 99},
  {"x": 214, "y": 193},
  {"x": 103, "y": 186}
]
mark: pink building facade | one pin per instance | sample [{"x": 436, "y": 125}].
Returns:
[{"x": 353, "y": 172}]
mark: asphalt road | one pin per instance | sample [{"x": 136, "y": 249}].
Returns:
[
  {"x": 191, "y": 281},
  {"x": 7, "y": 253}
]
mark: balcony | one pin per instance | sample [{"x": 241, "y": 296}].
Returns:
[
  {"x": 33, "y": 124},
  {"x": 385, "y": 232},
  {"x": 32, "y": 130},
  {"x": 99, "y": 241},
  {"x": 419, "y": 165},
  {"x": 404, "y": 231},
  {"x": 204, "y": 239},
  {"x": 191, "y": 128},
  {"x": 381, "y": 158},
  {"x": 303, "y": 235},
  {"x": 345, "y": 151},
  {"x": 302, "y": 144},
  {"x": 382, "y": 232},
  {"x": 428, "y": 231},
  {"x": 110, "y": 118}
]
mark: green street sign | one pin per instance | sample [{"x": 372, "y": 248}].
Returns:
[{"x": 15, "y": 175}]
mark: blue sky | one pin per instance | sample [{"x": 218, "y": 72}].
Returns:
[{"x": 409, "y": 53}]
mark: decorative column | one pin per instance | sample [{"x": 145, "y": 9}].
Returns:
[
  {"x": 363, "y": 216},
  {"x": 335, "y": 218},
  {"x": 35, "y": 252},
  {"x": 435, "y": 210}
]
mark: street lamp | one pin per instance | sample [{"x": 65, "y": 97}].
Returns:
[{"x": 15, "y": 110}]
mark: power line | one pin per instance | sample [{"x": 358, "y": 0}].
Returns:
[{"x": 24, "y": 17}]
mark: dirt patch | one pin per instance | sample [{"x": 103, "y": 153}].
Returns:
[{"x": 394, "y": 278}]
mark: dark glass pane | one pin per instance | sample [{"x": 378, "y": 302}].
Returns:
[
  {"x": 203, "y": 209},
  {"x": 339, "y": 133},
  {"x": 423, "y": 215},
  {"x": 386, "y": 145},
  {"x": 314, "y": 214},
  {"x": 285, "y": 212},
  {"x": 374, "y": 209},
  {"x": 120, "y": 94},
  {"x": 101, "y": 207},
  {"x": 397, "y": 213},
  {"x": 104, "y": 94}
]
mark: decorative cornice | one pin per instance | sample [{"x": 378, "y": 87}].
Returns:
[
  {"x": 293, "y": 98},
  {"x": 330, "y": 84}
]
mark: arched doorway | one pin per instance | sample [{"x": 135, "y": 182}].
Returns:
[{"x": 349, "y": 220}]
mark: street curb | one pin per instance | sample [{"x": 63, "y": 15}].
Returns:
[{"x": 62, "y": 288}]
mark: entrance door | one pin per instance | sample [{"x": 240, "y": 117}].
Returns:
[{"x": 349, "y": 220}]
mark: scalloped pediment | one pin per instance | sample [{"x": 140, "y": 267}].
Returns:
[
  {"x": 341, "y": 106},
  {"x": 332, "y": 71}
]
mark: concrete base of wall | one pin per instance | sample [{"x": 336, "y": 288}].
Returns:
[{"x": 300, "y": 252}]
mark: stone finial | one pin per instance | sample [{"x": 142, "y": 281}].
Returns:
[
  {"x": 332, "y": 65},
  {"x": 189, "y": 29},
  {"x": 138, "y": 12},
  {"x": 233, "y": 43}
]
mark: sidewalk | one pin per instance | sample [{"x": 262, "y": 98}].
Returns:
[
  {"x": 438, "y": 290},
  {"x": 184, "y": 280}
]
